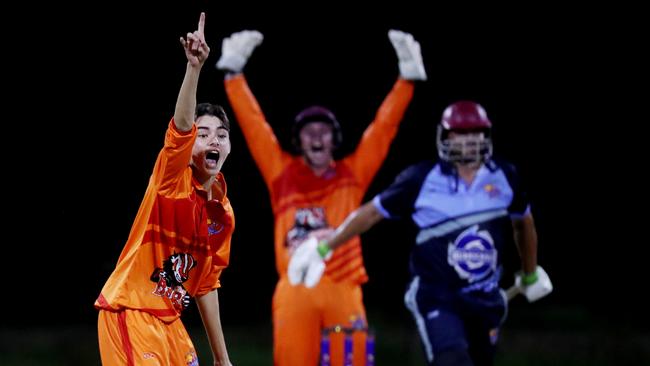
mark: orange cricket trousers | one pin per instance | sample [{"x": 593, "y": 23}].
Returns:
[
  {"x": 299, "y": 315},
  {"x": 132, "y": 338}
]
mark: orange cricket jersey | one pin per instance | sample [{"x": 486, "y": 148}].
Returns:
[
  {"x": 179, "y": 242},
  {"x": 302, "y": 201}
]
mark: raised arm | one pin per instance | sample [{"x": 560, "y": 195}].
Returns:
[
  {"x": 177, "y": 152},
  {"x": 196, "y": 51},
  {"x": 236, "y": 49},
  {"x": 376, "y": 140}
]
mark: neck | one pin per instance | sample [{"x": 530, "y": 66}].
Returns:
[
  {"x": 318, "y": 170},
  {"x": 206, "y": 182},
  {"x": 207, "y": 186},
  {"x": 467, "y": 172}
]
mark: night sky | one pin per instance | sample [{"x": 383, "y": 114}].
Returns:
[{"x": 106, "y": 88}]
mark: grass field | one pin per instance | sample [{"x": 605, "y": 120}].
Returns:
[{"x": 559, "y": 339}]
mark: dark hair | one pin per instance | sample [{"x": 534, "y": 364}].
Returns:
[{"x": 213, "y": 110}]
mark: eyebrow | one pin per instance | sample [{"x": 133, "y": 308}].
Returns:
[
  {"x": 222, "y": 127},
  {"x": 202, "y": 128}
]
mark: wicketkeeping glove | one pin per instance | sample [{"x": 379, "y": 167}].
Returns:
[
  {"x": 535, "y": 285},
  {"x": 236, "y": 49},
  {"x": 408, "y": 52}
]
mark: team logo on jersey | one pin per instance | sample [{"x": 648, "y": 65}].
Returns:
[
  {"x": 214, "y": 227},
  {"x": 491, "y": 190},
  {"x": 472, "y": 254},
  {"x": 216, "y": 215},
  {"x": 169, "y": 279},
  {"x": 307, "y": 219}
]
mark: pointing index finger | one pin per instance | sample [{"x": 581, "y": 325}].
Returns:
[{"x": 201, "y": 22}]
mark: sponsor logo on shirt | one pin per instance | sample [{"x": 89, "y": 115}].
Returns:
[
  {"x": 307, "y": 219},
  {"x": 473, "y": 254}
]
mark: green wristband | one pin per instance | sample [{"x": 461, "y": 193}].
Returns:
[
  {"x": 323, "y": 249},
  {"x": 529, "y": 279}
]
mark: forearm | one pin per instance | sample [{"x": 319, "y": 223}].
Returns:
[
  {"x": 526, "y": 240},
  {"x": 209, "y": 309},
  {"x": 259, "y": 135},
  {"x": 186, "y": 102},
  {"x": 378, "y": 136},
  {"x": 392, "y": 109},
  {"x": 358, "y": 222}
]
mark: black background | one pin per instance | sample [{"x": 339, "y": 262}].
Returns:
[{"x": 101, "y": 85}]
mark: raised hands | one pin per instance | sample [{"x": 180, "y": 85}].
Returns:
[
  {"x": 196, "y": 49},
  {"x": 411, "y": 66},
  {"x": 236, "y": 49}
]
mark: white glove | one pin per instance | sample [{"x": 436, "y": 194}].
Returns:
[
  {"x": 306, "y": 264},
  {"x": 537, "y": 289},
  {"x": 236, "y": 49},
  {"x": 408, "y": 52}
]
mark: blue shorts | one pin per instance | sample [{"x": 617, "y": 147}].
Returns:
[{"x": 449, "y": 320}]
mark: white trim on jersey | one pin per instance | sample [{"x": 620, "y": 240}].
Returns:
[{"x": 458, "y": 223}]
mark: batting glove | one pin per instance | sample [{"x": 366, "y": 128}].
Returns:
[
  {"x": 408, "y": 52},
  {"x": 307, "y": 263},
  {"x": 236, "y": 49},
  {"x": 534, "y": 285}
]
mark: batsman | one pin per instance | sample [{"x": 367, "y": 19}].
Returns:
[{"x": 468, "y": 208}]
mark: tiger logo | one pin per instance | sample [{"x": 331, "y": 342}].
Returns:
[{"x": 170, "y": 278}]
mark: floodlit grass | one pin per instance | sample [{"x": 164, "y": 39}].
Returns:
[{"x": 556, "y": 337}]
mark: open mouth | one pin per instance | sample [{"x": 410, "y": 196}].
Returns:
[{"x": 212, "y": 155}]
